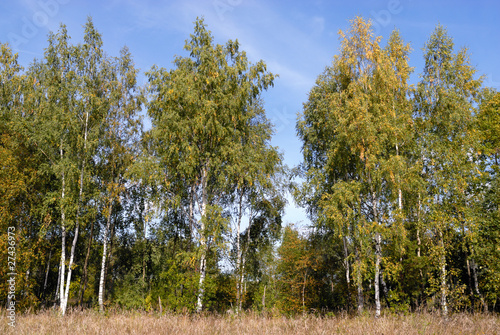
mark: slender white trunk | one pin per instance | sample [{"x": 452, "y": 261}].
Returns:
[
  {"x": 304, "y": 292},
  {"x": 476, "y": 285},
  {"x": 70, "y": 265},
  {"x": 191, "y": 212},
  {"x": 56, "y": 296},
  {"x": 243, "y": 283},
  {"x": 378, "y": 254},
  {"x": 264, "y": 299},
  {"x": 419, "y": 242},
  {"x": 203, "y": 241},
  {"x": 347, "y": 271},
  {"x": 201, "y": 288},
  {"x": 77, "y": 224},
  {"x": 239, "y": 272},
  {"x": 346, "y": 263},
  {"x": 377, "y": 274},
  {"x": 47, "y": 273},
  {"x": 83, "y": 283},
  {"x": 444, "y": 305},
  {"x": 359, "y": 282},
  {"x": 400, "y": 193},
  {"x": 103, "y": 261},
  {"x": 62, "y": 272}
]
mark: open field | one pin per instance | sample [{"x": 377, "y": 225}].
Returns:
[{"x": 89, "y": 322}]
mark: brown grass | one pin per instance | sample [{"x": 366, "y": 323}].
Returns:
[{"x": 89, "y": 322}]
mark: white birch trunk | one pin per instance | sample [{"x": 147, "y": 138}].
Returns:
[
  {"x": 377, "y": 274},
  {"x": 47, "y": 273},
  {"x": 62, "y": 272},
  {"x": 77, "y": 228},
  {"x": 444, "y": 305},
  {"x": 264, "y": 298},
  {"x": 203, "y": 241},
  {"x": 359, "y": 283},
  {"x": 56, "y": 296},
  {"x": 346, "y": 263},
  {"x": 242, "y": 277},
  {"x": 476, "y": 285},
  {"x": 239, "y": 272},
  {"x": 378, "y": 255},
  {"x": 70, "y": 265},
  {"x": 103, "y": 261}
]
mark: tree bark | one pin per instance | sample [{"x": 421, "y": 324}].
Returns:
[
  {"x": 203, "y": 240},
  {"x": 62, "y": 303},
  {"x": 377, "y": 273},
  {"x": 239, "y": 272},
  {"x": 56, "y": 296},
  {"x": 77, "y": 224},
  {"x": 476, "y": 285},
  {"x": 70, "y": 268},
  {"x": 384, "y": 288},
  {"x": 264, "y": 299},
  {"x": 83, "y": 284},
  {"x": 242, "y": 277},
  {"x": 347, "y": 272},
  {"x": 103, "y": 261},
  {"x": 304, "y": 292},
  {"x": 378, "y": 251},
  {"x": 47, "y": 273},
  {"x": 359, "y": 282},
  {"x": 444, "y": 305}
]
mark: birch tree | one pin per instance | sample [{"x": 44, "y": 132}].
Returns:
[
  {"x": 445, "y": 107},
  {"x": 198, "y": 111},
  {"x": 351, "y": 129},
  {"x": 121, "y": 130},
  {"x": 69, "y": 101}
]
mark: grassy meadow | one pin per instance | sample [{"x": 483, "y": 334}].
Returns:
[{"x": 78, "y": 322}]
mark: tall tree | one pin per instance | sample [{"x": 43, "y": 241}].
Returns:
[
  {"x": 256, "y": 177},
  {"x": 71, "y": 95},
  {"x": 198, "y": 111},
  {"x": 119, "y": 142},
  {"x": 445, "y": 107},
  {"x": 353, "y": 129}
]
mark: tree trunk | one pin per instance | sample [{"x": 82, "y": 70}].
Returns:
[
  {"x": 444, "y": 306},
  {"x": 243, "y": 283},
  {"x": 377, "y": 273},
  {"x": 109, "y": 258},
  {"x": 56, "y": 296},
  {"x": 378, "y": 252},
  {"x": 77, "y": 225},
  {"x": 359, "y": 282},
  {"x": 191, "y": 216},
  {"x": 264, "y": 299},
  {"x": 203, "y": 240},
  {"x": 47, "y": 273},
  {"x": 70, "y": 269},
  {"x": 83, "y": 284},
  {"x": 62, "y": 303},
  {"x": 347, "y": 272},
  {"x": 103, "y": 261},
  {"x": 304, "y": 292},
  {"x": 476, "y": 285},
  {"x": 239, "y": 272},
  {"x": 384, "y": 288}
]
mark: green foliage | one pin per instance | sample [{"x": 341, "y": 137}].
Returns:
[{"x": 401, "y": 183}]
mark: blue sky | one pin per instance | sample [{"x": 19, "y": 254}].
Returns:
[{"x": 296, "y": 39}]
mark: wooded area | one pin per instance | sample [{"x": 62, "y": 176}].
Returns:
[{"x": 400, "y": 180}]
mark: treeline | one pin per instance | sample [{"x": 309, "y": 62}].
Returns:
[{"x": 400, "y": 181}]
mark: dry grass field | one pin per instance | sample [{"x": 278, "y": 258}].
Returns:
[{"x": 90, "y": 322}]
